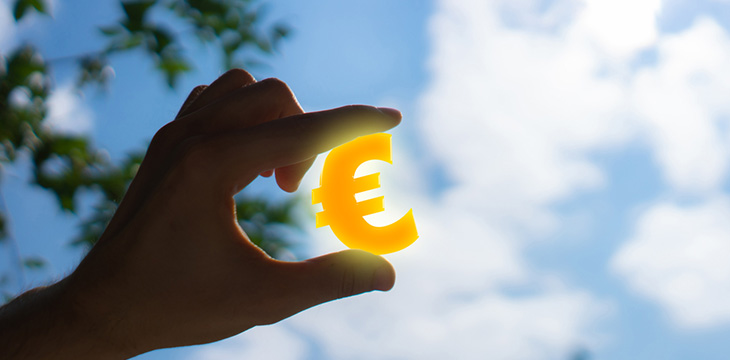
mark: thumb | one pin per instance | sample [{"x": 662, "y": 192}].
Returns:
[{"x": 337, "y": 275}]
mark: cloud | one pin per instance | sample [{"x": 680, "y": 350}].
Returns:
[
  {"x": 677, "y": 257},
  {"x": 67, "y": 112},
  {"x": 524, "y": 110},
  {"x": 682, "y": 102},
  {"x": 620, "y": 28},
  {"x": 490, "y": 324},
  {"x": 268, "y": 342},
  {"x": 546, "y": 100}
]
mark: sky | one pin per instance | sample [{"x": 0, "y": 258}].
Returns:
[{"x": 567, "y": 163}]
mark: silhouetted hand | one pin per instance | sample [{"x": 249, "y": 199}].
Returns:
[{"x": 173, "y": 267}]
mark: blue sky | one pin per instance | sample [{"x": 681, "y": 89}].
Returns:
[{"x": 567, "y": 163}]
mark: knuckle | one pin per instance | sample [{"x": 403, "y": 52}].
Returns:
[
  {"x": 194, "y": 94},
  {"x": 199, "y": 89},
  {"x": 239, "y": 76},
  {"x": 277, "y": 86}
]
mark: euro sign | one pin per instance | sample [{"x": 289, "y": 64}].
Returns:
[{"x": 344, "y": 214}]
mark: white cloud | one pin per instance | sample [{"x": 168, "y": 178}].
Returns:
[
  {"x": 620, "y": 27},
  {"x": 545, "y": 103},
  {"x": 683, "y": 101},
  {"x": 468, "y": 327},
  {"x": 67, "y": 112},
  {"x": 514, "y": 117},
  {"x": 678, "y": 258},
  {"x": 268, "y": 342}
]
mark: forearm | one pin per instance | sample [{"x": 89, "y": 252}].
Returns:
[{"x": 42, "y": 324}]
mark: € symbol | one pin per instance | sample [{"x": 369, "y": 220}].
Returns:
[{"x": 344, "y": 214}]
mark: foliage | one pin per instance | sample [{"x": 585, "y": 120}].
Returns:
[
  {"x": 63, "y": 164},
  {"x": 266, "y": 223}
]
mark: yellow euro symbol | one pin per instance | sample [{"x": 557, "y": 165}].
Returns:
[{"x": 344, "y": 214}]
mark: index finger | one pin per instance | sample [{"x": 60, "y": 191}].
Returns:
[
  {"x": 289, "y": 177},
  {"x": 287, "y": 141}
]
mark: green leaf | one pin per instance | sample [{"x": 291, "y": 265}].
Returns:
[
  {"x": 63, "y": 164},
  {"x": 93, "y": 227},
  {"x": 22, "y": 6},
  {"x": 22, "y": 64},
  {"x": 173, "y": 67},
  {"x": 39, "y": 5},
  {"x": 94, "y": 69},
  {"x": 34, "y": 262},
  {"x": 268, "y": 224},
  {"x": 135, "y": 12},
  {"x": 67, "y": 145},
  {"x": 280, "y": 32},
  {"x": 111, "y": 30},
  {"x": 209, "y": 7},
  {"x": 127, "y": 42},
  {"x": 162, "y": 37}
]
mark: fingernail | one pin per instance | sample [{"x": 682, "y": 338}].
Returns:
[
  {"x": 391, "y": 112},
  {"x": 383, "y": 278}
]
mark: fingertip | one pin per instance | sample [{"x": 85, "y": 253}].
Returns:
[
  {"x": 288, "y": 187},
  {"x": 384, "y": 277},
  {"x": 370, "y": 271},
  {"x": 394, "y": 113},
  {"x": 351, "y": 121},
  {"x": 290, "y": 177},
  {"x": 283, "y": 181}
]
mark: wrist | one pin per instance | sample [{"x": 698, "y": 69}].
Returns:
[
  {"x": 45, "y": 323},
  {"x": 93, "y": 319}
]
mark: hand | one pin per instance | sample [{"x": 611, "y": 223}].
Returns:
[{"x": 173, "y": 267}]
